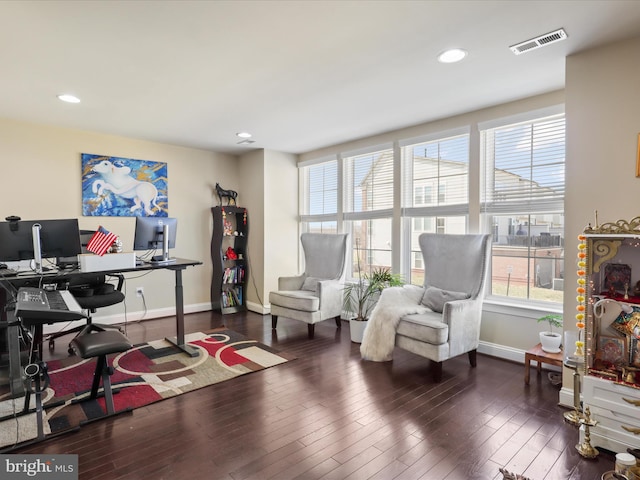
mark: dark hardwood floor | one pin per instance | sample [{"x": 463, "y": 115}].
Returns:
[{"x": 330, "y": 415}]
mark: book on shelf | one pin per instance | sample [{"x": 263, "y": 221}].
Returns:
[
  {"x": 232, "y": 297},
  {"x": 233, "y": 275}
]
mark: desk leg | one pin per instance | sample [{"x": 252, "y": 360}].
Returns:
[
  {"x": 179, "y": 340},
  {"x": 15, "y": 367},
  {"x": 527, "y": 366}
]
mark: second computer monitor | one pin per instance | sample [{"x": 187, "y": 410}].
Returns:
[{"x": 150, "y": 235}]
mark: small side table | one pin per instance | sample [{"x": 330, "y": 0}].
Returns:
[{"x": 538, "y": 355}]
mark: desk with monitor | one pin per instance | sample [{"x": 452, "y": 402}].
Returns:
[
  {"x": 36, "y": 240},
  {"x": 20, "y": 279}
]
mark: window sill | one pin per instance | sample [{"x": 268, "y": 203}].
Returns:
[{"x": 527, "y": 309}]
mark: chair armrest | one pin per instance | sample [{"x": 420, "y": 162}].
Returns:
[
  {"x": 330, "y": 293},
  {"x": 330, "y": 287},
  {"x": 120, "y": 278},
  {"x": 463, "y": 318},
  {"x": 290, "y": 283}
]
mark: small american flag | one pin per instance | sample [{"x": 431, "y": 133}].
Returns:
[{"x": 101, "y": 241}]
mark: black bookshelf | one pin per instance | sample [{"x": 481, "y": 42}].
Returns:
[{"x": 229, "y": 257}]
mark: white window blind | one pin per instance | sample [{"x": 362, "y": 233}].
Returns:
[
  {"x": 436, "y": 179},
  {"x": 321, "y": 190},
  {"x": 369, "y": 182},
  {"x": 524, "y": 166}
]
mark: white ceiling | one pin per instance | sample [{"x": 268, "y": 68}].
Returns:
[{"x": 299, "y": 75}]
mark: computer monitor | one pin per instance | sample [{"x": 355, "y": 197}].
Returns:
[
  {"x": 38, "y": 239},
  {"x": 156, "y": 233},
  {"x": 15, "y": 241}
]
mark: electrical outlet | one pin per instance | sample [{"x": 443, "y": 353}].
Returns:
[{"x": 139, "y": 291}]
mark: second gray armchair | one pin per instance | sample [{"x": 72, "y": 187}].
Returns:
[{"x": 315, "y": 295}]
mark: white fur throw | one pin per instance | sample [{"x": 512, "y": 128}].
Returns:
[{"x": 380, "y": 335}]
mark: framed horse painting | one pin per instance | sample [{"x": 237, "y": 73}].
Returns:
[{"x": 123, "y": 187}]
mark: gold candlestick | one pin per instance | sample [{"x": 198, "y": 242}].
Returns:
[
  {"x": 585, "y": 449},
  {"x": 574, "y": 416}
]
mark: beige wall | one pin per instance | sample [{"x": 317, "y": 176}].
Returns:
[
  {"x": 271, "y": 181},
  {"x": 281, "y": 234},
  {"x": 252, "y": 177},
  {"x": 41, "y": 178}
]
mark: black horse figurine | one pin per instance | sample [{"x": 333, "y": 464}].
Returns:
[{"x": 230, "y": 194}]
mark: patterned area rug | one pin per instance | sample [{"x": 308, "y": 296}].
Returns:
[{"x": 145, "y": 374}]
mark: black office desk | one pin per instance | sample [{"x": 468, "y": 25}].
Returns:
[{"x": 180, "y": 264}]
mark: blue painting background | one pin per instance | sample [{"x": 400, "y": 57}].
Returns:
[{"x": 114, "y": 205}]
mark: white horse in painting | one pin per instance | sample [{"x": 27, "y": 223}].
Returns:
[{"x": 117, "y": 180}]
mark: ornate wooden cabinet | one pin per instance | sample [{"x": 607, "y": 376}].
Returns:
[
  {"x": 229, "y": 257},
  {"x": 609, "y": 311}
]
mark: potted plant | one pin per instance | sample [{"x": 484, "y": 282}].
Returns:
[
  {"x": 551, "y": 340},
  {"x": 361, "y": 296}
]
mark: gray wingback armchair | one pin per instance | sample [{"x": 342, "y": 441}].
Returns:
[
  {"x": 455, "y": 269},
  {"x": 316, "y": 295}
]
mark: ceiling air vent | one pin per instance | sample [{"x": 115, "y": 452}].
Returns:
[
  {"x": 246, "y": 141},
  {"x": 538, "y": 42}
]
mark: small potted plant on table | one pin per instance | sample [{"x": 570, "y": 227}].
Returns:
[{"x": 549, "y": 339}]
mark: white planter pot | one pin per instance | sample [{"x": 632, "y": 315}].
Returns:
[
  {"x": 357, "y": 330},
  {"x": 550, "y": 341}
]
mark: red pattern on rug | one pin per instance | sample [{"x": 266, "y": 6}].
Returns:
[{"x": 152, "y": 372}]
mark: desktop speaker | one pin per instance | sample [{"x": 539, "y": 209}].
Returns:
[{"x": 109, "y": 261}]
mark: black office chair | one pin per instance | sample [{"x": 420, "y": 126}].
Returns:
[{"x": 92, "y": 291}]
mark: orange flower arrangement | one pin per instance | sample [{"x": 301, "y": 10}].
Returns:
[{"x": 582, "y": 281}]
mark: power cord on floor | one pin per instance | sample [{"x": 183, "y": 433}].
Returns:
[{"x": 253, "y": 281}]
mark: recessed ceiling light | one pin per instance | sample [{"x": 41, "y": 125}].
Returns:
[
  {"x": 452, "y": 56},
  {"x": 244, "y": 135},
  {"x": 65, "y": 97}
]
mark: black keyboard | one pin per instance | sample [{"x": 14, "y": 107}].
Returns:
[
  {"x": 38, "y": 305},
  {"x": 56, "y": 302}
]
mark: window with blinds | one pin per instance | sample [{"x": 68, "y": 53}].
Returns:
[
  {"x": 522, "y": 201},
  {"x": 322, "y": 188},
  {"x": 319, "y": 205},
  {"x": 435, "y": 192},
  {"x": 524, "y": 166},
  {"x": 369, "y": 182},
  {"x": 368, "y": 208},
  {"x": 437, "y": 173}
]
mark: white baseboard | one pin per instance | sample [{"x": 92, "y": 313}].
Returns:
[
  {"x": 509, "y": 353},
  {"x": 259, "y": 308},
  {"x": 502, "y": 351}
]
